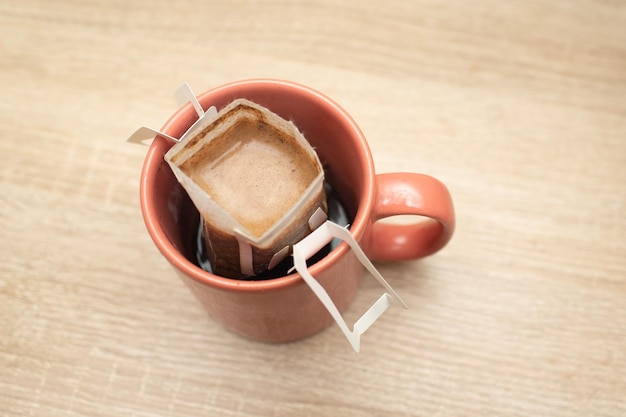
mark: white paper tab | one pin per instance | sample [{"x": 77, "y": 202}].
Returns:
[
  {"x": 145, "y": 133},
  {"x": 184, "y": 95},
  {"x": 310, "y": 245}
]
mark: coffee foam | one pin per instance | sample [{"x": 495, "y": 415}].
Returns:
[{"x": 267, "y": 167}]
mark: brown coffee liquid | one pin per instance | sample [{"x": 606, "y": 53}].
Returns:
[{"x": 254, "y": 172}]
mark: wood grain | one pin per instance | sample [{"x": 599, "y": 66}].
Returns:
[{"x": 519, "y": 107}]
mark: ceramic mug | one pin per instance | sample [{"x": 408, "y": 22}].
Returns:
[{"x": 285, "y": 309}]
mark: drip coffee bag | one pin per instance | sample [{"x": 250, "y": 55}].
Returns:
[{"x": 257, "y": 183}]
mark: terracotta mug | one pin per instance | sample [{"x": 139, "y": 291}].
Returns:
[{"x": 285, "y": 309}]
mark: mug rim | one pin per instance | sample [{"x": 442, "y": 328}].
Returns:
[{"x": 154, "y": 159}]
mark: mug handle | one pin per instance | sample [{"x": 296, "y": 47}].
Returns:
[{"x": 406, "y": 193}]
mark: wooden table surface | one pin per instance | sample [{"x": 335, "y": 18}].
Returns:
[{"x": 518, "y": 106}]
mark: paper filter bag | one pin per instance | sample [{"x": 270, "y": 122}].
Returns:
[{"x": 257, "y": 183}]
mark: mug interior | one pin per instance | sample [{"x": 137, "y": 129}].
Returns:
[{"x": 171, "y": 218}]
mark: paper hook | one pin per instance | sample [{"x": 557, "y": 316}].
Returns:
[{"x": 308, "y": 246}]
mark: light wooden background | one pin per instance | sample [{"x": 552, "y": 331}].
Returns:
[{"x": 519, "y": 106}]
